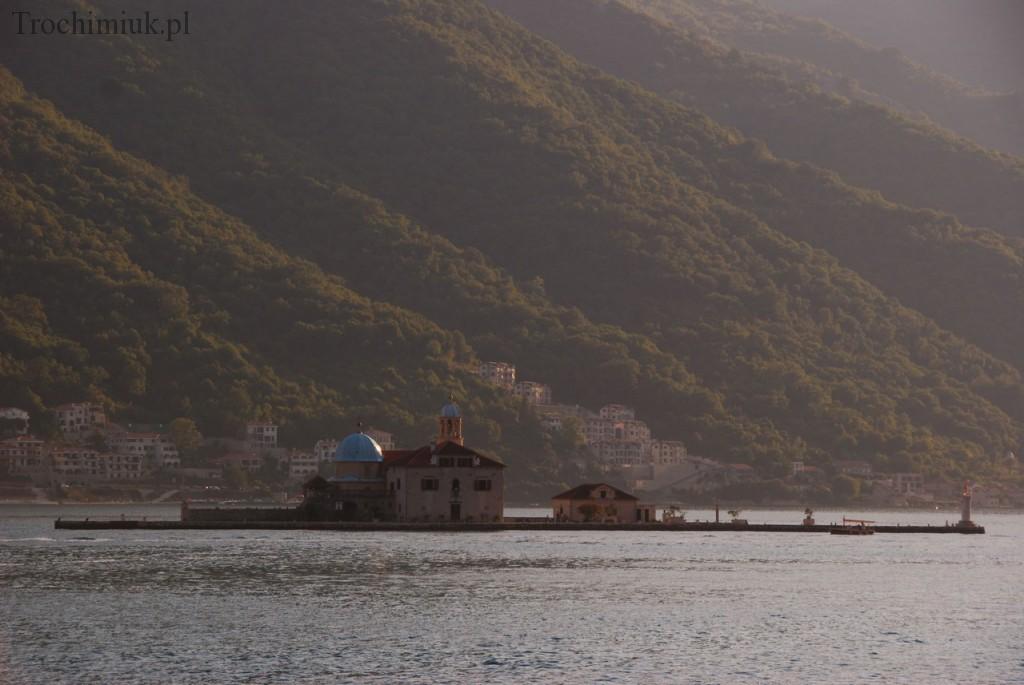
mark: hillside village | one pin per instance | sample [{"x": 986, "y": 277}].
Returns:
[
  {"x": 86, "y": 453},
  {"x": 625, "y": 449}
]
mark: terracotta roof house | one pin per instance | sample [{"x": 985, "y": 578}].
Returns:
[{"x": 600, "y": 502}]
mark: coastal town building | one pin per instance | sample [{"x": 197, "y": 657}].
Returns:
[
  {"x": 75, "y": 464},
  {"x": 156, "y": 449},
  {"x": 302, "y": 465},
  {"x": 600, "y": 502},
  {"x": 324, "y": 449},
  {"x": 22, "y": 455},
  {"x": 620, "y": 452},
  {"x": 383, "y": 438},
  {"x": 617, "y": 412},
  {"x": 17, "y": 420},
  {"x": 247, "y": 461},
  {"x": 667, "y": 452},
  {"x": 501, "y": 374},
  {"x": 533, "y": 393},
  {"x": 441, "y": 481},
  {"x": 78, "y": 419},
  {"x": 857, "y": 469},
  {"x": 261, "y": 435},
  {"x": 908, "y": 483}
]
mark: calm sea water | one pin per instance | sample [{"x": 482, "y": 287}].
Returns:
[{"x": 509, "y": 607}]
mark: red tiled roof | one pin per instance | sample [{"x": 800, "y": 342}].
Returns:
[
  {"x": 422, "y": 456},
  {"x": 584, "y": 491}
]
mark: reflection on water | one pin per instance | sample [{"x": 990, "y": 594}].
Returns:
[{"x": 325, "y": 607}]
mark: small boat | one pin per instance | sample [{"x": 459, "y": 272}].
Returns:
[{"x": 853, "y": 527}]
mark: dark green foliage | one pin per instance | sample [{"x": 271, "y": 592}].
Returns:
[
  {"x": 831, "y": 60},
  {"x": 435, "y": 156}
]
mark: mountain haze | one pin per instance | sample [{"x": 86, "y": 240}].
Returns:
[{"x": 820, "y": 54}]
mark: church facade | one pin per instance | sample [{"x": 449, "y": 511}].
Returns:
[{"x": 444, "y": 481}]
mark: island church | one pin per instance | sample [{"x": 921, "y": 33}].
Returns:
[{"x": 442, "y": 481}]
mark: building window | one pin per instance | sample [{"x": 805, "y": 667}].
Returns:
[
  {"x": 398, "y": 484},
  {"x": 446, "y": 461},
  {"x": 455, "y": 486},
  {"x": 482, "y": 485},
  {"x": 429, "y": 484},
  {"x": 465, "y": 461}
]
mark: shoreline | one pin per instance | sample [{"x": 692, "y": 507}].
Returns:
[{"x": 850, "y": 506}]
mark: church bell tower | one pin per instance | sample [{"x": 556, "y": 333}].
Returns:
[{"x": 449, "y": 424}]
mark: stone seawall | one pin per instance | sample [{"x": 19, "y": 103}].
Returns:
[{"x": 238, "y": 522}]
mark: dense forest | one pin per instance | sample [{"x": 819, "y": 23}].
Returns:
[
  {"x": 977, "y": 43},
  {"x": 817, "y": 53},
  {"x": 343, "y": 225}
]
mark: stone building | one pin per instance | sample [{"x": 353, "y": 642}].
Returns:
[
  {"x": 501, "y": 374},
  {"x": 261, "y": 435},
  {"x": 383, "y": 438},
  {"x": 17, "y": 418},
  {"x": 600, "y": 503},
  {"x": 156, "y": 449},
  {"x": 532, "y": 392},
  {"x": 442, "y": 481},
  {"x": 617, "y": 412},
  {"x": 78, "y": 419}
]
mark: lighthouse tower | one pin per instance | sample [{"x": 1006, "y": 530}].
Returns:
[{"x": 965, "y": 507}]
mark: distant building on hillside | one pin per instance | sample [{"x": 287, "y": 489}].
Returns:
[
  {"x": 384, "y": 439},
  {"x": 324, "y": 449},
  {"x": 156, "y": 449},
  {"x": 75, "y": 465},
  {"x": 857, "y": 469},
  {"x": 534, "y": 393},
  {"x": 620, "y": 452},
  {"x": 617, "y": 412},
  {"x": 79, "y": 419},
  {"x": 261, "y": 435},
  {"x": 667, "y": 452},
  {"x": 247, "y": 461},
  {"x": 600, "y": 429},
  {"x": 501, "y": 374},
  {"x": 23, "y": 455},
  {"x": 302, "y": 465},
  {"x": 908, "y": 483},
  {"x": 17, "y": 417}
]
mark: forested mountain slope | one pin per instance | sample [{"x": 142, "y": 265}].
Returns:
[
  {"x": 910, "y": 162},
  {"x": 593, "y": 194},
  {"x": 836, "y": 61},
  {"x": 971, "y": 281},
  {"x": 977, "y": 43},
  {"x": 121, "y": 285}
]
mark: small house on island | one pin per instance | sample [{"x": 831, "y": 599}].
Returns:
[{"x": 600, "y": 503}]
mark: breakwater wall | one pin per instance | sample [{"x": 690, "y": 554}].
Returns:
[{"x": 381, "y": 526}]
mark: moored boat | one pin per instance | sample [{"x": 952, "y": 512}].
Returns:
[{"x": 853, "y": 527}]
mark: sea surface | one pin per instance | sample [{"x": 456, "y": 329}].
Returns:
[{"x": 508, "y": 607}]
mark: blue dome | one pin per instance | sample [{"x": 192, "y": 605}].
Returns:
[
  {"x": 358, "y": 447},
  {"x": 450, "y": 410}
]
